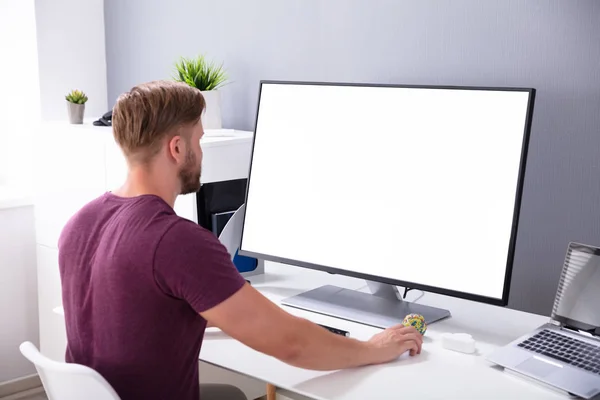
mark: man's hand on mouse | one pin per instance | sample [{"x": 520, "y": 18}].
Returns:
[{"x": 395, "y": 341}]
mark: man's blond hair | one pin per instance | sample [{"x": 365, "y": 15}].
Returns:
[{"x": 150, "y": 112}]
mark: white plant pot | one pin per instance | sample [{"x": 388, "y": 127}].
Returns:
[
  {"x": 211, "y": 118},
  {"x": 76, "y": 112}
]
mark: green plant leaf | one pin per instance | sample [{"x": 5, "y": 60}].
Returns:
[
  {"x": 199, "y": 73},
  {"x": 77, "y": 97}
]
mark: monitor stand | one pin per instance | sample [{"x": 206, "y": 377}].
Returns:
[{"x": 381, "y": 308}]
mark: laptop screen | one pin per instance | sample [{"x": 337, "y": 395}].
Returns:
[{"x": 577, "y": 302}]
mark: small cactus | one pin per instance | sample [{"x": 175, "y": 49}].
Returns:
[{"x": 76, "y": 97}]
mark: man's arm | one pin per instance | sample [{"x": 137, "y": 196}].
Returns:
[
  {"x": 254, "y": 320},
  {"x": 191, "y": 264}
]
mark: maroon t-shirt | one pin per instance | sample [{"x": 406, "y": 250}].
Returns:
[{"x": 134, "y": 278}]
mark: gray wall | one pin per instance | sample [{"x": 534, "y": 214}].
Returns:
[{"x": 551, "y": 45}]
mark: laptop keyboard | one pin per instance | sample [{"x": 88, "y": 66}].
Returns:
[{"x": 566, "y": 349}]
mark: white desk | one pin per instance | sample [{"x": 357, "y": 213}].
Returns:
[{"x": 437, "y": 373}]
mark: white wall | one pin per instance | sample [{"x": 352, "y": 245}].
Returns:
[
  {"x": 18, "y": 289},
  {"x": 550, "y": 45},
  {"x": 71, "y": 55},
  {"x": 19, "y": 93},
  {"x": 48, "y": 48},
  {"x": 19, "y": 110}
]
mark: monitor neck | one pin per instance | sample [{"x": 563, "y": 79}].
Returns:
[{"x": 384, "y": 290}]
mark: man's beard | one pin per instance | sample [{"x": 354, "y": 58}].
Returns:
[{"x": 189, "y": 175}]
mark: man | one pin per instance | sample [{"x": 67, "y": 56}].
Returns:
[{"x": 140, "y": 284}]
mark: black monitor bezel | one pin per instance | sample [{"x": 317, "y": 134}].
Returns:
[{"x": 516, "y": 210}]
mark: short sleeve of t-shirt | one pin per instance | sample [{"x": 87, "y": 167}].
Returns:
[{"x": 191, "y": 264}]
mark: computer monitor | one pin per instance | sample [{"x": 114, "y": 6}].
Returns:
[{"x": 411, "y": 186}]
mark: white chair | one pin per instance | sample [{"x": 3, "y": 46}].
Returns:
[
  {"x": 65, "y": 381},
  {"x": 231, "y": 236}
]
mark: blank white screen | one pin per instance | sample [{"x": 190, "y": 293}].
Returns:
[{"x": 410, "y": 184}]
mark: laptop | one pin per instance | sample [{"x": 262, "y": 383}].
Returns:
[{"x": 565, "y": 352}]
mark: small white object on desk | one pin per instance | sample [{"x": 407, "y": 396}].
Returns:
[{"x": 462, "y": 342}]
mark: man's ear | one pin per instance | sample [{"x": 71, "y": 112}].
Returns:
[{"x": 176, "y": 149}]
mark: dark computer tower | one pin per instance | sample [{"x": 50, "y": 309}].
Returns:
[{"x": 217, "y": 202}]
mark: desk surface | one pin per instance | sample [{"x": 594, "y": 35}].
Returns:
[{"x": 437, "y": 373}]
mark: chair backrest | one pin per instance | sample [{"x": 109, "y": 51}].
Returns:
[
  {"x": 65, "y": 381},
  {"x": 231, "y": 235}
]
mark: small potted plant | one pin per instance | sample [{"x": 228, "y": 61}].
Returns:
[
  {"x": 208, "y": 78},
  {"x": 76, "y": 100}
]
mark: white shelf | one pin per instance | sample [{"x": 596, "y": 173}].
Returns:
[{"x": 11, "y": 198}]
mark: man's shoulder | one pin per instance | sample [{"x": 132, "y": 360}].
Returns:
[
  {"x": 191, "y": 263},
  {"x": 191, "y": 242},
  {"x": 188, "y": 233}
]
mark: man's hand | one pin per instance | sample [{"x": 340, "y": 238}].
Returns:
[{"x": 395, "y": 341}]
